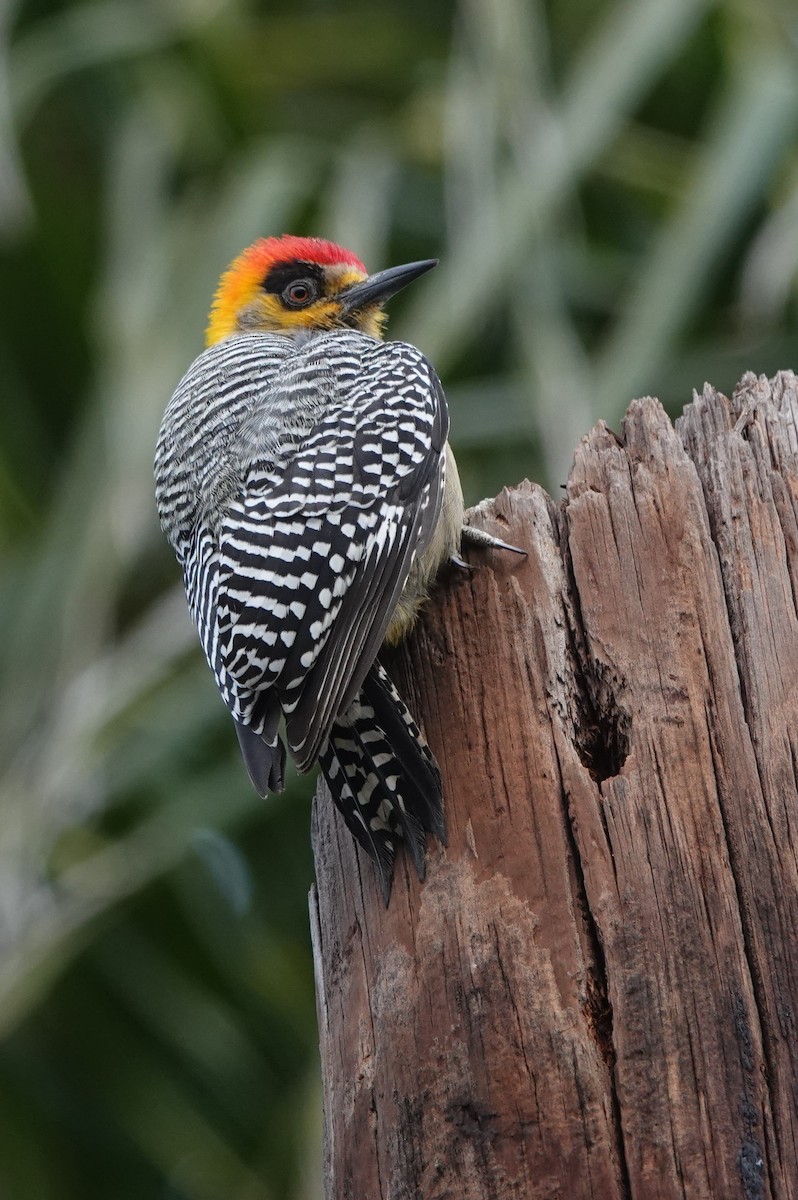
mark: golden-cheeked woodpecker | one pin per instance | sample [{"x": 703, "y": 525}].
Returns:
[{"x": 305, "y": 482}]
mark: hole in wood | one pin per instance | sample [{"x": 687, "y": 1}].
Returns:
[{"x": 602, "y": 732}]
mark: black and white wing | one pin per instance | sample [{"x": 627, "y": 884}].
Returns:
[{"x": 312, "y": 554}]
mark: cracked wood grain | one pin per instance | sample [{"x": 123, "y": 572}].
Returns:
[{"x": 593, "y": 994}]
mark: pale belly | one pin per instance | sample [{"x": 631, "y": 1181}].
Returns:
[{"x": 444, "y": 543}]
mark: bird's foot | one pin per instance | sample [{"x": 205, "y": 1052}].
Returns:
[{"x": 479, "y": 537}]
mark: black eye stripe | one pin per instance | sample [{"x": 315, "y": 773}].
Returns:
[{"x": 280, "y": 276}]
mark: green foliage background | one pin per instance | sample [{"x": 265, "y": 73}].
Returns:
[{"x": 612, "y": 189}]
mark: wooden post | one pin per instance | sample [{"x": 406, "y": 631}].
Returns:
[{"x": 594, "y": 993}]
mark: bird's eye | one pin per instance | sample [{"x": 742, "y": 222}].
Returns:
[{"x": 300, "y": 292}]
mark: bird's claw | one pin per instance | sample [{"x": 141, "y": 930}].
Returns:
[{"x": 480, "y": 537}]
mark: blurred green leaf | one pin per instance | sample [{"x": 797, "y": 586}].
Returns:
[{"x": 611, "y": 190}]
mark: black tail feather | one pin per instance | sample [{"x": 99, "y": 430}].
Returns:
[
  {"x": 379, "y": 844},
  {"x": 410, "y": 826},
  {"x": 421, "y": 771},
  {"x": 383, "y": 777}
]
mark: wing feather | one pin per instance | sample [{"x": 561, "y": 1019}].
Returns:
[{"x": 314, "y": 556}]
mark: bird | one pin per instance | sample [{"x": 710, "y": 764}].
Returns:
[{"x": 304, "y": 479}]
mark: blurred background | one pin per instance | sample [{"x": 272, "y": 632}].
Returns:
[{"x": 612, "y": 189}]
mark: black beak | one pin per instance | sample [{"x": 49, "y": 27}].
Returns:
[{"x": 380, "y": 287}]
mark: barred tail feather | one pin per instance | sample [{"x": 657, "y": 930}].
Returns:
[
  {"x": 383, "y": 777},
  {"x": 410, "y": 747},
  {"x": 378, "y": 843}
]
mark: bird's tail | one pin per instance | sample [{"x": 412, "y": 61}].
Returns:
[{"x": 383, "y": 777}]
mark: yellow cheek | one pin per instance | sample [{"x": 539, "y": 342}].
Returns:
[
  {"x": 322, "y": 315},
  {"x": 266, "y": 312}
]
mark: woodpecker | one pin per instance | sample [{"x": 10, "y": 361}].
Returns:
[{"x": 305, "y": 482}]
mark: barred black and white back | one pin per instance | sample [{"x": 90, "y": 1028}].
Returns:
[{"x": 298, "y": 478}]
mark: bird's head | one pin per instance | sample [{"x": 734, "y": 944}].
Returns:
[{"x": 293, "y": 284}]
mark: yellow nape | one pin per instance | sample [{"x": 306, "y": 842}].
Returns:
[{"x": 238, "y": 287}]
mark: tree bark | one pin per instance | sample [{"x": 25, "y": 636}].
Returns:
[{"x": 594, "y": 993}]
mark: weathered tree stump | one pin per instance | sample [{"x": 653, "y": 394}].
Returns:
[{"x": 594, "y": 993}]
